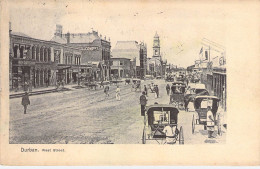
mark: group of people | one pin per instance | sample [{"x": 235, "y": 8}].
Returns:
[
  {"x": 106, "y": 91},
  {"x": 154, "y": 88}
]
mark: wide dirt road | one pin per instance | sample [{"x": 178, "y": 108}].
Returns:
[{"x": 84, "y": 116}]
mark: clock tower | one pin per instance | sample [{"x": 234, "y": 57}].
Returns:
[{"x": 156, "y": 46}]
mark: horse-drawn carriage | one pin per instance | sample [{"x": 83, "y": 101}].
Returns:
[
  {"x": 115, "y": 82},
  {"x": 103, "y": 83},
  {"x": 201, "y": 104},
  {"x": 169, "y": 79},
  {"x": 192, "y": 91},
  {"x": 136, "y": 85},
  {"x": 162, "y": 125},
  {"x": 127, "y": 81},
  {"x": 177, "y": 94}
]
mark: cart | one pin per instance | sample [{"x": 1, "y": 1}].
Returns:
[
  {"x": 200, "y": 105},
  {"x": 177, "y": 94},
  {"x": 158, "y": 117},
  {"x": 192, "y": 91}
]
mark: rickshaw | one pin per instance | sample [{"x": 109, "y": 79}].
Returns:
[
  {"x": 177, "y": 94},
  {"x": 200, "y": 105},
  {"x": 193, "y": 91},
  {"x": 127, "y": 81},
  {"x": 180, "y": 78},
  {"x": 169, "y": 79},
  {"x": 158, "y": 117},
  {"x": 91, "y": 85}
]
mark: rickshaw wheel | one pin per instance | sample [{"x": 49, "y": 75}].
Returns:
[
  {"x": 193, "y": 124},
  {"x": 144, "y": 137},
  {"x": 181, "y": 136}
]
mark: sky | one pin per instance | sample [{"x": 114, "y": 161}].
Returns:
[{"x": 176, "y": 23}]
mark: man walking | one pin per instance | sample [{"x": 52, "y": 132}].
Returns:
[
  {"x": 106, "y": 91},
  {"x": 168, "y": 89},
  {"x": 25, "y": 101},
  {"x": 157, "y": 91},
  {"x": 143, "y": 102},
  {"x": 145, "y": 90},
  {"x": 118, "y": 93}
]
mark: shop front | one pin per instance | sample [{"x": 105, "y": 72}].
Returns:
[{"x": 22, "y": 74}]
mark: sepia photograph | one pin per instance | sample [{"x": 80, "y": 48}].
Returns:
[
  {"x": 77, "y": 82},
  {"x": 100, "y": 81}
]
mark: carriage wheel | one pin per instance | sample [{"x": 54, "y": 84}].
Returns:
[
  {"x": 144, "y": 137},
  {"x": 193, "y": 124},
  {"x": 181, "y": 136}
]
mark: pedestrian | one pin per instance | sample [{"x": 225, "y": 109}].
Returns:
[
  {"x": 117, "y": 93},
  {"x": 210, "y": 122},
  {"x": 143, "y": 102},
  {"x": 168, "y": 89},
  {"x": 26, "y": 86},
  {"x": 106, "y": 91},
  {"x": 157, "y": 91},
  {"x": 46, "y": 82},
  {"x": 63, "y": 82},
  {"x": 25, "y": 101},
  {"x": 145, "y": 90}
]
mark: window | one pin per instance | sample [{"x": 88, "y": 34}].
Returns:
[
  {"x": 41, "y": 53},
  {"x": 121, "y": 63},
  {"x": 15, "y": 51},
  {"x": 33, "y": 52},
  {"x": 37, "y": 53}
]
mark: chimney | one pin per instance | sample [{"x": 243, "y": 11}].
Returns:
[
  {"x": 68, "y": 37},
  {"x": 109, "y": 39},
  {"x": 105, "y": 37},
  {"x": 100, "y": 36}
]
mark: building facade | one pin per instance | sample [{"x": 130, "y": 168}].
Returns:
[
  {"x": 212, "y": 66},
  {"x": 94, "y": 49},
  {"x": 129, "y": 50},
  {"x": 120, "y": 67},
  {"x": 40, "y": 63}
]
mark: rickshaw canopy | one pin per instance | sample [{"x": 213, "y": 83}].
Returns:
[
  {"x": 202, "y": 102},
  {"x": 173, "y": 112}
]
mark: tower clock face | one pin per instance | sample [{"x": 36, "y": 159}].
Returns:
[{"x": 156, "y": 52}]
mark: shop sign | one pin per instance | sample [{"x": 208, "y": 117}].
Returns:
[{"x": 92, "y": 48}]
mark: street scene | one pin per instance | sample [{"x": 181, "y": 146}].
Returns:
[{"x": 85, "y": 87}]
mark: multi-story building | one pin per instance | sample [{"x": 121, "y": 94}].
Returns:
[
  {"x": 94, "y": 49},
  {"x": 41, "y": 63},
  {"x": 212, "y": 65},
  {"x": 129, "y": 50},
  {"x": 120, "y": 67}
]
